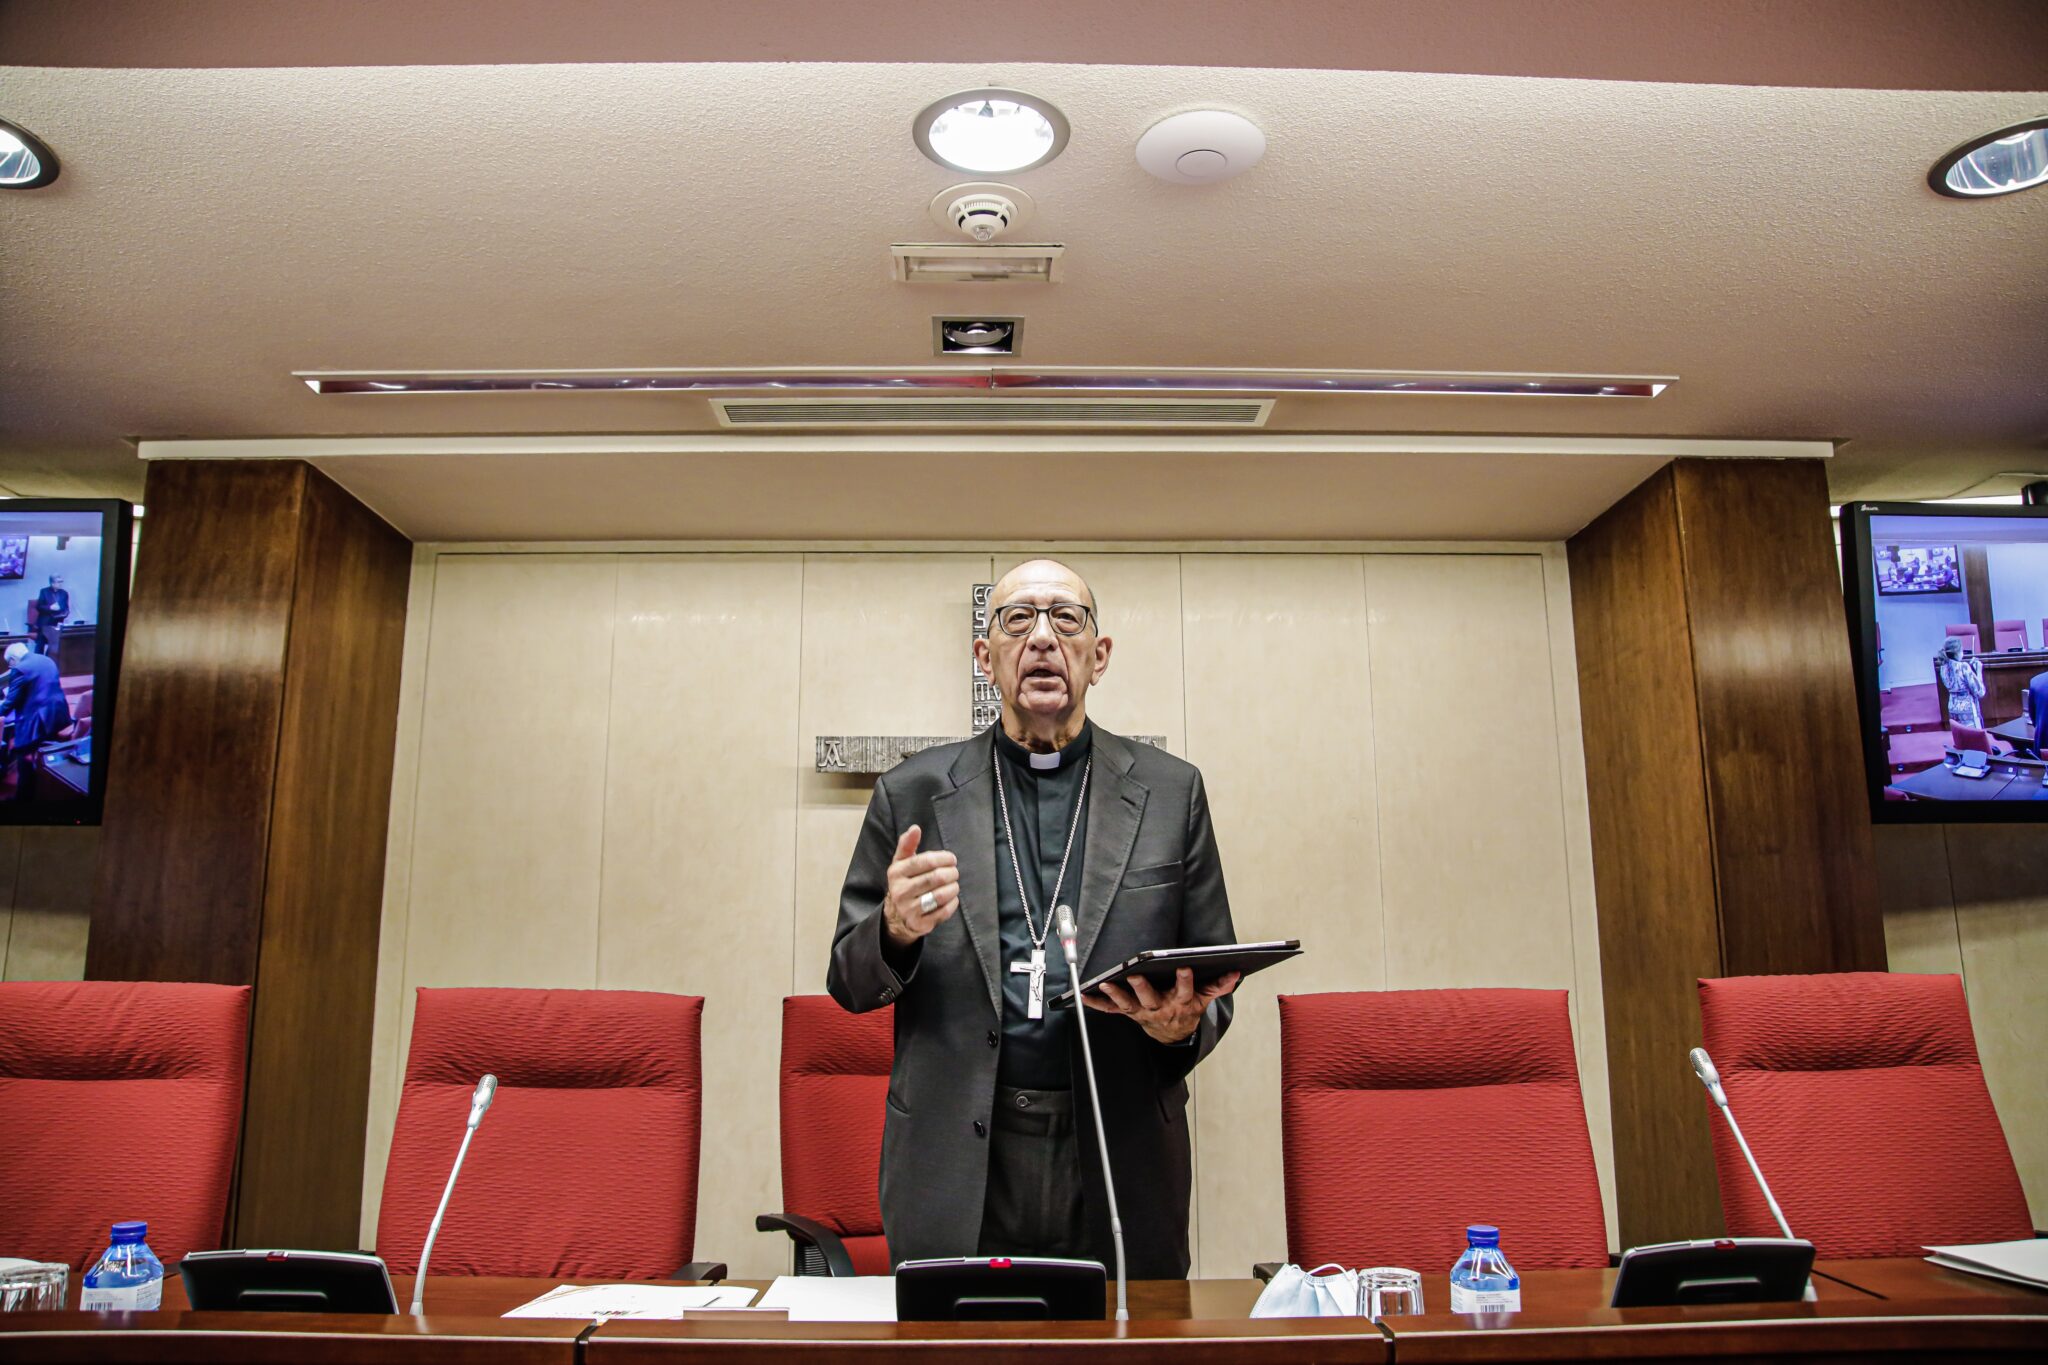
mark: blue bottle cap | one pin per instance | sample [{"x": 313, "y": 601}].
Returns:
[
  {"x": 1482, "y": 1235},
  {"x": 131, "y": 1231}
]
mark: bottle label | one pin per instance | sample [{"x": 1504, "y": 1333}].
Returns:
[
  {"x": 1467, "y": 1300},
  {"x": 146, "y": 1297}
]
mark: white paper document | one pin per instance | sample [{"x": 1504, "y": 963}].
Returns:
[
  {"x": 2023, "y": 1262},
  {"x": 662, "y": 1302},
  {"x": 819, "y": 1298}
]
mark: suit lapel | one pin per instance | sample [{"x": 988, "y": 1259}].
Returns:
[
  {"x": 966, "y": 818},
  {"x": 1114, "y": 809}
]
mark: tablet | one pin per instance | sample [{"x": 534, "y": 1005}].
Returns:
[{"x": 1158, "y": 965}]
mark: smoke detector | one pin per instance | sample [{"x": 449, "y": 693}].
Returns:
[
  {"x": 981, "y": 210},
  {"x": 1201, "y": 147}
]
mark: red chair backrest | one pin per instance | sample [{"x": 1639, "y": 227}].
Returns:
[
  {"x": 586, "y": 1164},
  {"x": 149, "y": 1070},
  {"x": 1968, "y": 737},
  {"x": 835, "y": 1083},
  {"x": 1406, "y": 1115},
  {"x": 1968, "y": 634},
  {"x": 1865, "y": 1106},
  {"x": 2009, "y": 634}
]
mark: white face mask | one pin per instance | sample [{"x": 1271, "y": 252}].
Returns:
[{"x": 1297, "y": 1293}]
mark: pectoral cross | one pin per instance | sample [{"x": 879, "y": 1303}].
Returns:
[{"x": 1036, "y": 966}]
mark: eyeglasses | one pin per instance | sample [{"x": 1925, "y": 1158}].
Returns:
[{"x": 1021, "y": 618}]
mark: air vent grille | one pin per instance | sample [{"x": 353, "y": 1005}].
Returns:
[{"x": 992, "y": 412}]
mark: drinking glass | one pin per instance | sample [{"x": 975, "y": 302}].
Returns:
[
  {"x": 31, "y": 1286},
  {"x": 1389, "y": 1289}
]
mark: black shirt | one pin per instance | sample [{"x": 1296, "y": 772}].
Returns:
[{"x": 1042, "y": 810}]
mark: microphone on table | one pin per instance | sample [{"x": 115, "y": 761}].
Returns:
[
  {"x": 1064, "y": 915},
  {"x": 486, "y": 1091},
  {"x": 1710, "y": 1076}
]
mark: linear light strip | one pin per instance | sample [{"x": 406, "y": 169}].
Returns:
[{"x": 1039, "y": 380}]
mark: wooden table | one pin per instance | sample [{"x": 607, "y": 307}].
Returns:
[{"x": 1867, "y": 1310}]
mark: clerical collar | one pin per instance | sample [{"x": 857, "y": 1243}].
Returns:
[{"x": 1076, "y": 752}]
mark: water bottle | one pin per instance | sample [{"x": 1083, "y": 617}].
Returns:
[
  {"x": 1482, "y": 1281},
  {"x": 127, "y": 1278}
]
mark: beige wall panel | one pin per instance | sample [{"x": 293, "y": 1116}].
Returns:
[
  {"x": 1917, "y": 900},
  {"x": 700, "y": 845},
  {"x": 1475, "y": 873},
  {"x": 53, "y": 881},
  {"x": 1279, "y": 711},
  {"x": 2000, "y": 873},
  {"x": 886, "y": 651},
  {"x": 388, "y": 1028},
  {"x": 508, "y": 819},
  {"x": 1589, "y": 1011}
]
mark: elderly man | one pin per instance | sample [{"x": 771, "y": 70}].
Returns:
[
  {"x": 947, "y": 913},
  {"x": 33, "y": 698}
]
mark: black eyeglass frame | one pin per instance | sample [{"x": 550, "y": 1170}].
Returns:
[{"x": 1088, "y": 622}]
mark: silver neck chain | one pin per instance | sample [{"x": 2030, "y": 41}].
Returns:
[{"x": 1038, "y": 934}]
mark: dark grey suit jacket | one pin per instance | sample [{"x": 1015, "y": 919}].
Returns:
[{"x": 1151, "y": 880}]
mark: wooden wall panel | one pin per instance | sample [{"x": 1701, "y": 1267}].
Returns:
[
  {"x": 202, "y": 690},
  {"x": 1652, "y": 859},
  {"x": 1791, "y": 822},
  {"x": 246, "y": 807},
  {"x": 49, "y": 873},
  {"x": 1730, "y": 833},
  {"x": 317, "y": 968}
]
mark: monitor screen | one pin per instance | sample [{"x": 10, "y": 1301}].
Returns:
[
  {"x": 63, "y": 598},
  {"x": 1903, "y": 569},
  {"x": 1948, "y": 615}
]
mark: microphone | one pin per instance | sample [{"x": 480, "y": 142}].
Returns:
[
  {"x": 486, "y": 1091},
  {"x": 1710, "y": 1076},
  {"x": 1063, "y": 916}
]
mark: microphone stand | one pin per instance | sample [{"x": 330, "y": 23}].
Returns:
[
  {"x": 1116, "y": 1225},
  {"x": 1710, "y": 1076},
  {"x": 486, "y": 1090}
]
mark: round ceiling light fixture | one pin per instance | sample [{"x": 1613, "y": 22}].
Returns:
[
  {"x": 25, "y": 163},
  {"x": 990, "y": 131},
  {"x": 1201, "y": 147},
  {"x": 2005, "y": 162}
]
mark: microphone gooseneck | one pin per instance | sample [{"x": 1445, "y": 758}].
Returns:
[
  {"x": 1063, "y": 918},
  {"x": 486, "y": 1091},
  {"x": 1710, "y": 1076}
]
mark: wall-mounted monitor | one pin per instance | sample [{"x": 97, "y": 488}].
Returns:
[
  {"x": 1948, "y": 623},
  {"x": 63, "y": 600}
]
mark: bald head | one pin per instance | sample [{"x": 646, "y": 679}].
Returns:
[{"x": 1047, "y": 572}]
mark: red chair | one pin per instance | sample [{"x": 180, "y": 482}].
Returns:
[
  {"x": 1970, "y": 737},
  {"x": 1864, "y": 1103},
  {"x": 153, "y": 1069},
  {"x": 1969, "y": 635},
  {"x": 2009, "y": 635},
  {"x": 586, "y": 1164},
  {"x": 835, "y": 1079},
  {"x": 1406, "y": 1115}
]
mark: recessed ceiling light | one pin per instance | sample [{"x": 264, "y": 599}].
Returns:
[
  {"x": 990, "y": 131},
  {"x": 2004, "y": 162},
  {"x": 25, "y": 162}
]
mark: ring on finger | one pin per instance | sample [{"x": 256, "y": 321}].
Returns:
[{"x": 928, "y": 902}]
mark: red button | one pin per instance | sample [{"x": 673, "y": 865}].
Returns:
[
  {"x": 1723, "y": 1244},
  {"x": 999, "y": 1263}
]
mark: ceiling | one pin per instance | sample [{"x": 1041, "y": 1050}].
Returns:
[{"x": 1643, "y": 203}]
